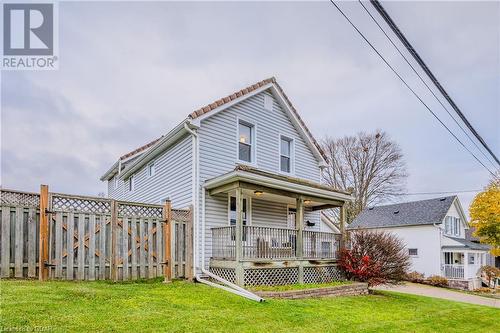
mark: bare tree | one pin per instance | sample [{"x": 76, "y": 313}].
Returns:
[{"x": 370, "y": 165}]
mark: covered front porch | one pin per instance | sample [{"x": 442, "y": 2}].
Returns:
[{"x": 288, "y": 248}]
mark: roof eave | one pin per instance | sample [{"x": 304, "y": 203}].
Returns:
[
  {"x": 111, "y": 172},
  {"x": 165, "y": 142}
]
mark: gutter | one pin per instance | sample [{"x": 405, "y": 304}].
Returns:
[{"x": 194, "y": 191}]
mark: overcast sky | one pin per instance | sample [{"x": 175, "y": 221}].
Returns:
[{"x": 129, "y": 72}]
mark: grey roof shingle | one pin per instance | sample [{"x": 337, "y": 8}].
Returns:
[
  {"x": 403, "y": 214},
  {"x": 467, "y": 243}
]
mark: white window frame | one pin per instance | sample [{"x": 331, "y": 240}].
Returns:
[
  {"x": 115, "y": 182},
  {"x": 249, "y": 209},
  {"x": 151, "y": 170},
  {"x": 413, "y": 255},
  {"x": 253, "y": 146},
  {"x": 292, "y": 154},
  {"x": 131, "y": 184}
]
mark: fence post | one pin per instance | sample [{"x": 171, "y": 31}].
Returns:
[
  {"x": 167, "y": 236},
  {"x": 114, "y": 242},
  {"x": 189, "y": 245},
  {"x": 43, "y": 259}
]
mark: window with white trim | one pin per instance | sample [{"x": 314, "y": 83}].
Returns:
[
  {"x": 131, "y": 184},
  {"x": 413, "y": 252},
  {"x": 151, "y": 169},
  {"x": 246, "y": 145},
  {"x": 115, "y": 182},
  {"x": 452, "y": 226},
  {"x": 286, "y": 146},
  {"x": 472, "y": 258}
]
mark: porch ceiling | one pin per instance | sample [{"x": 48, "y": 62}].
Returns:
[{"x": 274, "y": 187}]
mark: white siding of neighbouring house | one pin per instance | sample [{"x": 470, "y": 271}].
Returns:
[
  {"x": 454, "y": 211},
  {"x": 218, "y": 149},
  {"x": 425, "y": 238},
  {"x": 172, "y": 178}
]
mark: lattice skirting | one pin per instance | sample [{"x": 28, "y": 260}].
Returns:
[
  {"x": 271, "y": 276},
  {"x": 227, "y": 274},
  {"x": 322, "y": 274}
]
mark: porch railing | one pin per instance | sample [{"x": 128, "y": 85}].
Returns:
[
  {"x": 453, "y": 271},
  {"x": 273, "y": 243},
  {"x": 324, "y": 245}
]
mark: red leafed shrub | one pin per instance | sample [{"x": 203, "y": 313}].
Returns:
[{"x": 375, "y": 258}]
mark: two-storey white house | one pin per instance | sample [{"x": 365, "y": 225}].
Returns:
[
  {"x": 434, "y": 232},
  {"x": 250, "y": 169}
]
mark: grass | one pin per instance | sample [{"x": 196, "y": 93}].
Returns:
[
  {"x": 300, "y": 286},
  {"x": 183, "y": 307}
]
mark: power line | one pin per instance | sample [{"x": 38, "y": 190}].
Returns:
[
  {"x": 407, "y": 86},
  {"x": 425, "y": 83},
  {"x": 426, "y": 69}
]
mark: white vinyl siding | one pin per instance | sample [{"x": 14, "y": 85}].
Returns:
[{"x": 172, "y": 178}]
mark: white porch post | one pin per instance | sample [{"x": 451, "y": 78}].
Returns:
[
  {"x": 299, "y": 225},
  {"x": 466, "y": 265},
  {"x": 239, "y": 236}
]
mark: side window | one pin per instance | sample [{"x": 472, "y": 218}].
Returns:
[
  {"x": 246, "y": 145},
  {"x": 131, "y": 184},
  {"x": 115, "y": 182},
  {"x": 413, "y": 252},
  {"x": 286, "y": 146},
  {"x": 151, "y": 169}
]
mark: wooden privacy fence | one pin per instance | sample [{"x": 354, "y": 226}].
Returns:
[{"x": 60, "y": 236}]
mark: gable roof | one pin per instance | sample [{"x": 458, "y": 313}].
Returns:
[
  {"x": 211, "y": 108},
  {"x": 467, "y": 243},
  {"x": 421, "y": 212}
]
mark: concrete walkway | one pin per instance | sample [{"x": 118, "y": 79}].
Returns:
[{"x": 424, "y": 290}]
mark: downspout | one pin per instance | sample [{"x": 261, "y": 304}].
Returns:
[
  {"x": 195, "y": 194},
  {"x": 440, "y": 246}
]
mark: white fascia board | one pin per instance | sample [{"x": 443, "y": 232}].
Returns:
[
  {"x": 461, "y": 211},
  {"x": 298, "y": 125},
  {"x": 197, "y": 121},
  {"x": 110, "y": 173},
  {"x": 277, "y": 184},
  {"x": 176, "y": 133}
]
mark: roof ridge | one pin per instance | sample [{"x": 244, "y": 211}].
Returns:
[{"x": 414, "y": 201}]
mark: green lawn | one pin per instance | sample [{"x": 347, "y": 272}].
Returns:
[{"x": 185, "y": 307}]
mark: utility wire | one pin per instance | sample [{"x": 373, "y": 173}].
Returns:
[
  {"x": 426, "y": 69},
  {"x": 446, "y": 192},
  {"x": 407, "y": 86},
  {"x": 425, "y": 83}
]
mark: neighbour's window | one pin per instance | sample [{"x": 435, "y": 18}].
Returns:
[
  {"x": 285, "y": 154},
  {"x": 413, "y": 252},
  {"x": 472, "y": 258},
  {"x": 115, "y": 182},
  {"x": 151, "y": 169},
  {"x": 131, "y": 184},
  {"x": 245, "y": 142},
  {"x": 452, "y": 226},
  {"x": 232, "y": 211}
]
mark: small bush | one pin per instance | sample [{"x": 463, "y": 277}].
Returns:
[
  {"x": 375, "y": 258},
  {"x": 415, "y": 277},
  {"x": 437, "y": 281}
]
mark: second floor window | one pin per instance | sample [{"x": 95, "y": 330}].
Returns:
[
  {"x": 285, "y": 155},
  {"x": 452, "y": 226},
  {"x": 151, "y": 169},
  {"x": 245, "y": 142}
]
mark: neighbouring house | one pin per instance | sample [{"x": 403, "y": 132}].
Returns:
[
  {"x": 491, "y": 259},
  {"x": 434, "y": 232},
  {"x": 251, "y": 171}
]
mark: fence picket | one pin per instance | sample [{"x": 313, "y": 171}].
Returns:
[
  {"x": 142, "y": 263},
  {"x": 70, "y": 246},
  {"x": 5, "y": 242},
  {"x": 92, "y": 222},
  {"x": 133, "y": 247},
  {"x": 150, "y": 248},
  {"x": 159, "y": 252},
  {"x": 81, "y": 247},
  {"x": 18, "y": 254},
  {"x": 125, "y": 222},
  {"x": 58, "y": 246},
  {"x": 32, "y": 237}
]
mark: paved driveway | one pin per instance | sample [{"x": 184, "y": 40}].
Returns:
[{"x": 424, "y": 290}]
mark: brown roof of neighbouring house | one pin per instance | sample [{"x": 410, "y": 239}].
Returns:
[{"x": 140, "y": 149}]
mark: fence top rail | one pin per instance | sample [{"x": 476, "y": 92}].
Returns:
[
  {"x": 19, "y": 198},
  {"x": 321, "y": 232},
  {"x": 141, "y": 204},
  {"x": 17, "y": 191},
  {"x": 77, "y": 196}
]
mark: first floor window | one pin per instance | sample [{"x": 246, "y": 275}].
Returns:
[
  {"x": 245, "y": 142},
  {"x": 472, "y": 258},
  {"x": 285, "y": 154},
  {"x": 413, "y": 252},
  {"x": 131, "y": 184},
  {"x": 232, "y": 211}
]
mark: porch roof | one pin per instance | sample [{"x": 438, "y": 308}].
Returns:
[
  {"x": 245, "y": 175},
  {"x": 466, "y": 245}
]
